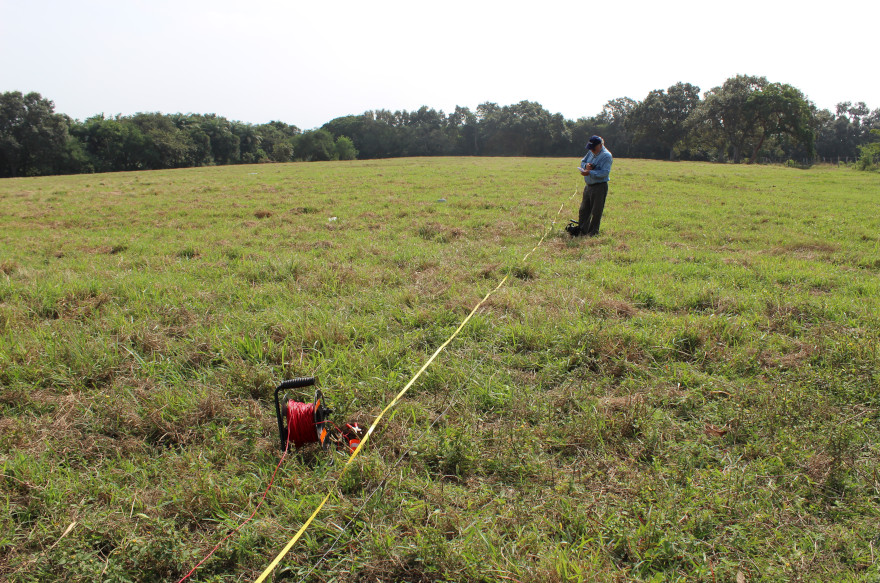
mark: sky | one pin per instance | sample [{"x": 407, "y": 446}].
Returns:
[{"x": 306, "y": 63}]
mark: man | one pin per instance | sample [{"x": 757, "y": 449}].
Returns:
[{"x": 595, "y": 168}]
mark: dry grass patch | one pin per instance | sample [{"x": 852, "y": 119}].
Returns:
[
  {"x": 8, "y": 267},
  {"x": 611, "y": 307},
  {"x": 789, "y": 360},
  {"x": 624, "y": 403},
  {"x": 81, "y": 305},
  {"x": 807, "y": 248}
]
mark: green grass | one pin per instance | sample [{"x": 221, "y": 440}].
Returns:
[{"x": 693, "y": 395}]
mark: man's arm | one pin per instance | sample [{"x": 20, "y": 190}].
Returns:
[
  {"x": 601, "y": 166},
  {"x": 585, "y": 167}
]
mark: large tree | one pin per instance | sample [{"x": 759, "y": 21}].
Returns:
[
  {"x": 33, "y": 138},
  {"x": 660, "y": 118},
  {"x": 725, "y": 119},
  {"x": 780, "y": 110},
  {"x": 614, "y": 124},
  {"x": 746, "y": 112}
]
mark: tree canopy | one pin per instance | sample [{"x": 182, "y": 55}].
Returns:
[{"x": 33, "y": 138}]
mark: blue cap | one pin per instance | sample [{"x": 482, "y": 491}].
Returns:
[{"x": 594, "y": 141}]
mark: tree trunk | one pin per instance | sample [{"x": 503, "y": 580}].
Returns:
[{"x": 756, "y": 148}]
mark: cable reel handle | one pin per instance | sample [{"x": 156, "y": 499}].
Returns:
[{"x": 296, "y": 383}]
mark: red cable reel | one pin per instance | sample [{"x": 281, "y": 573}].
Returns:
[{"x": 304, "y": 423}]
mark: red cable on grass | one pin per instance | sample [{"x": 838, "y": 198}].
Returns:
[{"x": 300, "y": 427}]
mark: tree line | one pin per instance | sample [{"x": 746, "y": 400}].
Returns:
[
  {"x": 746, "y": 119},
  {"x": 35, "y": 141}
]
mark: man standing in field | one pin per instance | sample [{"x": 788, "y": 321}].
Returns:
[{"x": 595, "y": 168}]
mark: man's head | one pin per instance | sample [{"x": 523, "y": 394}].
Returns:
[{"x": 594, "y": 143}]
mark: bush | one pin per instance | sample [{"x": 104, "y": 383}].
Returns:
[
  {"x": 315, "y": 145},
  {"x": 865, "y": 163},
  {"x": 345, "y": 149},
  {"x": 869, "y": 154}
]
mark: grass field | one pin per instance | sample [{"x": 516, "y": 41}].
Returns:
[{"x": 694, "y": 395}]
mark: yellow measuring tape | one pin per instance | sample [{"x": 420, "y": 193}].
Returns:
[{"x": 354, "y": 454}]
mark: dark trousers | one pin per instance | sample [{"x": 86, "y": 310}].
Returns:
[{"x": 592, "y": 205}]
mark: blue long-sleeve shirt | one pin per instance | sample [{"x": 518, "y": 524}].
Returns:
[{"x": 601, "y": 166}]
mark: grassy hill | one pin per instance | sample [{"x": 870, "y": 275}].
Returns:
[{"x": 693, "y": 395}]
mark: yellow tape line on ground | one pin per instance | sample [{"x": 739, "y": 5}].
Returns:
[{"x": 299, "y": 533}]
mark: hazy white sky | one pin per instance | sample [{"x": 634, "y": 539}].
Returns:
[{"x": 306, "y": 63}]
